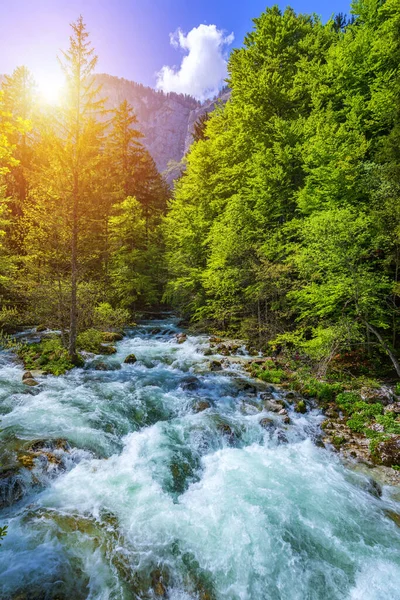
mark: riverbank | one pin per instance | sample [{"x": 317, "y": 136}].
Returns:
[{"x": 362, "y": 415}]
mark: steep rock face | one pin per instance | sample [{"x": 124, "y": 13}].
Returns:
[
  {"x": 162, "y": 118},
  {"x": 166, "y": 120}
]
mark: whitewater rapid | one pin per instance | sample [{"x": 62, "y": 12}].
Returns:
[{"x": 153, "y": 499}]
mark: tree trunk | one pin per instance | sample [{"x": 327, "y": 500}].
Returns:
[
  {"x": 385, "y": 347},
  {"x": 74, "y": 278}
]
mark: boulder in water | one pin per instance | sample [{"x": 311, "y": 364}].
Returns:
[
  {"x": 112, "y": 336},
  {"x": 30, "y": 381},
  {"x": 27, "y": 375},
  {"x": 215, "y": 365},
  {"x": 181, "y": 337},
  {"x": 301, "y": 407},
  {"x": 190, "y": 383},
  {"x": 41, "y": 328},
  {"x": 100, "y": 365},
  {"x": 201, "y": 405},
  {"x": 130, "y": 359},
  {"x": 105, "y": 349},
  {"x": 267, "y": 423}
]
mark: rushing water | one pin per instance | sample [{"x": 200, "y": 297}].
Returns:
[{"x": 151, "y": 498}]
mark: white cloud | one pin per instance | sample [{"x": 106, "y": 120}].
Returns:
[{"x": 203, "y": 68}]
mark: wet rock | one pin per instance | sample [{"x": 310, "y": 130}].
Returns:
[
  {"x": 201, "y": 405},
  {"x": 105, "y": 349},
  {"x": 208, "y": 352},
  {"x": 155, "y": 331},
  {"x": 246, "y": 386},
  {"x": 181, "y": 337},
  {"x": 224, "y": 350},
  {"x": 27, "y": 375},
  {"x": 215, "y": 365},
  {"x": 157, "y": 583},
  {"x": 291, "y": 396},
  {"x": 282, "y": 439},
  {"x": 12, "y": 487},
  {"x": 394, "y": 516},
  {"x": 130, "y": 359},
  {"x": 226, "y": 430},
  {"x": 267, "y": 423},
  {"x": 41, "y": 328},
  {"x": 112, "y": 336},
  {"x": 272, "y": 406},
  {"x": 100, "y": 365},
  {"x": 301, "y": 407},
  {"x": 269, "y": 389},
  {"x": 373, "y": 488},
  {"x": 286, "y": 420},
  {"x": 283, "y": 412},
  {"x": 215, "y": 340},
  {"x": 190, "y": 383},
  {"x": 30, "y": 382},
  {"x": 388, "y": 451}
]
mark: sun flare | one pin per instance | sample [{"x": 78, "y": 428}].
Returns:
[{"x": 50, "y": 87}]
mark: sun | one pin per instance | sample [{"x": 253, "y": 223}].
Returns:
[{"x": 50, "y": 87}]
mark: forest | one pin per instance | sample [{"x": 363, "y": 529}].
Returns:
[
  {"x": 284, "y": 228},
  {"x": 200, "y": 382}
]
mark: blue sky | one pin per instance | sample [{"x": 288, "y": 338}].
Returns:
[{"x": 131, "y": 36}]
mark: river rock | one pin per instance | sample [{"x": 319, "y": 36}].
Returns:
[
  {"x": 215, "y": 365},
  {"x": 272, "y": 406},
  {"x": 30, "y": 381},
  {"x": 41, "y": 328},
  {"x": 208, "y": 352},
  {"x": 267, "y": 423},
  {"x": 100, "y": 365},
  {"x": 130, "y": 359},
  {"x": 301, "y": 407},
  {"x": 27, "y": 375},
  {"x": 190, "y": 383},
  {"x": 112, "y": 336},
  {"x": 106, "y": 349},
  {"x": 181, "y": 337},
  {"x": 201, "y": 405}
]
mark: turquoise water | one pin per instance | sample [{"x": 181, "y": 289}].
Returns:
[{"x": 152, "y": 499}]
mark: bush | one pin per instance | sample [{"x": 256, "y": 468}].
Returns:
[
  {"x": 107, "y": 317},
  {"x": 48, "y": 355},
  {"x": 90, "y": 340},
  {"x": 346, "y": 401}
]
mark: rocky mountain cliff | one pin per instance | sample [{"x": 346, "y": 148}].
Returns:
[{"x": 166, "y": 120}]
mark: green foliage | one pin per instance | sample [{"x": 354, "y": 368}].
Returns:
[
  {"x": 48, "y": 355},
  {"x": 286, "y": 223},
  {"x": 268, "y": 372},
  {"x": 397, "y": 389},
  {"x": 90, "y": 340},
  {"x": 107, "y": 317},
  {"x": 3, "y": 532}
]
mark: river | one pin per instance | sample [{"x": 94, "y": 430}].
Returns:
[{"x": 157, "y": 480}]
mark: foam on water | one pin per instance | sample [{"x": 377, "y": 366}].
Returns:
[{"x": 207, "y": 503}]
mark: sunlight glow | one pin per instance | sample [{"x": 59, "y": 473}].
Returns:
[{"x": 50, "y": 87}]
